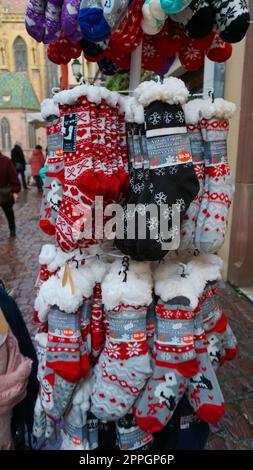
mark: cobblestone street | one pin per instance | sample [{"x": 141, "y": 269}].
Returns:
[{"x": 19, "y": 269}]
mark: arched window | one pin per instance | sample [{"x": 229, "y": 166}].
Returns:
[
  {"x": 6, "y": 134},
  {"x": 20, "y": 55}
]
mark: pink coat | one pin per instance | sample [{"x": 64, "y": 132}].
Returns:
[
  {"x": 14, "y": 373},
  {"x": 37, "y": 162}
]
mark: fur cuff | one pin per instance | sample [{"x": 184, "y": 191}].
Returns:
[
  {"x": 49, "y": 108},
  {"x": 136, "y": 291},
  {"x": 175, "y": 91},
  {"x": 192, "y": 111},
  {"x": 47, "y": 254},
  {"x": 172, "y": 91},
  {"x": 220, "y": 109},
  {"x": 41, "y": 339}
]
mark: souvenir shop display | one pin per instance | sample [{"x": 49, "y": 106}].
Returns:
[{"x": 130, "y": 328}]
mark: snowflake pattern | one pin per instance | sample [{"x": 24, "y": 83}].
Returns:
[
  {"x": 168, "y": 117},
  {"x": 133, "y": 349},
  {"x": 154, "y": 118},
  {"x": 180, "y": 205},
  {"x": 141, "y": 209},
  {"x": 129, "y": 214},
  {"x": 226, "y": 15},
  {"x": 138, "y": 188},
  {"x": 218, "y": 171},
  {"x": 167, "y": 213},
  {"x": 113, "y": 350},
  {"x": 152, "y": 224},
  {"x": 160, "y": 198},
  {"x": 180, "y": 117},
  {"x": 139, "y": 175},
  {"x": 173, "y": 170},
  {"x": 160, "y": 172},
  {"x": 148, "y": 50},
  {"x": 173, "y": 232}
]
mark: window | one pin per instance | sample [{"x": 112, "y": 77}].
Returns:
[
  {"x": 20, "y": 55},
  {"x": 6, "y": 134},
  {"x": 32, "y": 136}
]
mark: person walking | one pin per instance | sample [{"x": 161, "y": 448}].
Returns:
[
  {"x": 37, "y": 162},
  {"x": 9, "y": 187},
  {"x": 18, "y": 159}
]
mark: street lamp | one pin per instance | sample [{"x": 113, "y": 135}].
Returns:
[{"x": 76, "y": 69}]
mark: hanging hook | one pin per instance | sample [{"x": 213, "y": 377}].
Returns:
[
  {"x": 125, "y": 267},
  {"x": 183, "y": 267},
  {"x": 211, "y": 95}
]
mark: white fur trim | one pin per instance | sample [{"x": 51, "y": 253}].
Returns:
[
  {"x": 177, "y": 286},
  {"x": 53, "y": 293},
  {"x": 192, "y": 111},
  {"x": 175, "y": 91},
  {"x": 69, "y": 97},
  {"x": 97, "y": 268},
  {"x": 94, "y": 94},
  {"x": 136, "y": 291},
  {"x": 59, "y": 260},
  {"x": 47, "y": 254},
  {"x": 172, "y": 91},
  {"x": 41, "y": 339},
  {"x": 156, "y": 10},
  {"x": 147, "y": 92},
  {"x": 220, "y": 109},
  {"x": 49, "y": 108}
]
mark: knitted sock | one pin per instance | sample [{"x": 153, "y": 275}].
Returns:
[
  {"x": 214, "y": 324},
  {"x": 191, "y": 56},
  {"x": 171, "y": 178},
  {"x": 124, "y": 153},
  {"x": 230, "y": 344},
  {"x": 39, "y": 423},
  {"x": 232, "y": 19},
  {"x": 169, "y": 6},
  {"x": 97, "y": 332},
  {"x": 80, "y": 183},
  {"x": 92, "y": 430},
  {"x": 204, "y": 392},
  {"x": 35, "y": 19},
  {"x": 219, "y": 185},
  {"x": 98, "y": 167},
  {"x": 85, "y": 324},
  {"x": 104, "y": 176},
  {"x": 69, "y": 16},
  {"x": 151, "y": 325},
  {"x": 54, "y": 178},
  {"x": 130, "y": 436},
  {"x": 150, "y": 24},
  {"x": 92, "y": 51},
  {"x": 151, "y": 59},
  {"x": 175, "y": 362},
  {"x": 219, "y": 51},
  {"x": 75, "y": 433},
  {"x": 197, "y": 19},
  {"x": 63, "y": 347},
  {"x": 56, "y": 394},
  {"x": 123, "y": 365},
  {"x": 110, "y": 163},
  {"x": 129, "y": 33},
  {"x": 115, "y": 150},
  {"x": 197, "y": 150},
  {"x": 100, "y": 20},
  {"x": 52, "y": 21}
]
